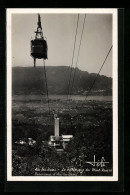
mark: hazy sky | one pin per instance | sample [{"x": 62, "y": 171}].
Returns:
[{"x": 59, "y": 29}]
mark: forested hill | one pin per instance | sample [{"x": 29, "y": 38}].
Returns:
[{"x": 30, "y": 80}]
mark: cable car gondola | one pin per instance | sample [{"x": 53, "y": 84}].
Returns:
[{"x": 39, "y": 44}]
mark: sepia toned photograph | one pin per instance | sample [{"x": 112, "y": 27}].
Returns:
[{"x": 62, "y": 81}]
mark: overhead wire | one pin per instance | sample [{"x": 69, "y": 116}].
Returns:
[
  {"x": 70, "y": 86},
  {"x": 72, "y": 58},
  {"x": 77, "y": 56},
  {"x": 98, "y": 72},
  {"x": 48, "y": 102}
]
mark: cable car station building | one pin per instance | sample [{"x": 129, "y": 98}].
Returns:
[{"x": 56, "y": 141}]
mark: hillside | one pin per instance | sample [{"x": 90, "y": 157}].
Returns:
[{"x": 30, "y": 80}]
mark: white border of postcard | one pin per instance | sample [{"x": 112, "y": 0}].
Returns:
[{"x": 9, "y": 12}]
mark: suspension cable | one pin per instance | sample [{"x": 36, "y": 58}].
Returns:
[
  {"x": 72, "y": 58},
  {"x": 98, "y": 72},
  {"x": 78, "y": 55},
  {"x": 47, "y": 89}
]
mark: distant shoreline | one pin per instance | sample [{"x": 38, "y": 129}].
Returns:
[{"x": 40, "y": 97}]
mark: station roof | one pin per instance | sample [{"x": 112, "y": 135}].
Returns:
[{"x": 67, "y": 136}]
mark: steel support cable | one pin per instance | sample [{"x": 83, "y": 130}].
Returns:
[
  {"x": 47, "y": 89},
  {"x": 99, "y": 72},
  {"x": 65, "y": 73},
  {"x": 78, "y": 55},
  {"x": 72, "y": 57}
]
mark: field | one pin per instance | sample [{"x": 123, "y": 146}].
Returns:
[{"x": 90, "y": 123}]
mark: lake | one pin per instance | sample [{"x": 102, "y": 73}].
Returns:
[{"x": 60, "y": 97}]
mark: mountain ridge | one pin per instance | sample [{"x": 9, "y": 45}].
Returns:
[{"x": 30, "y": 80}]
